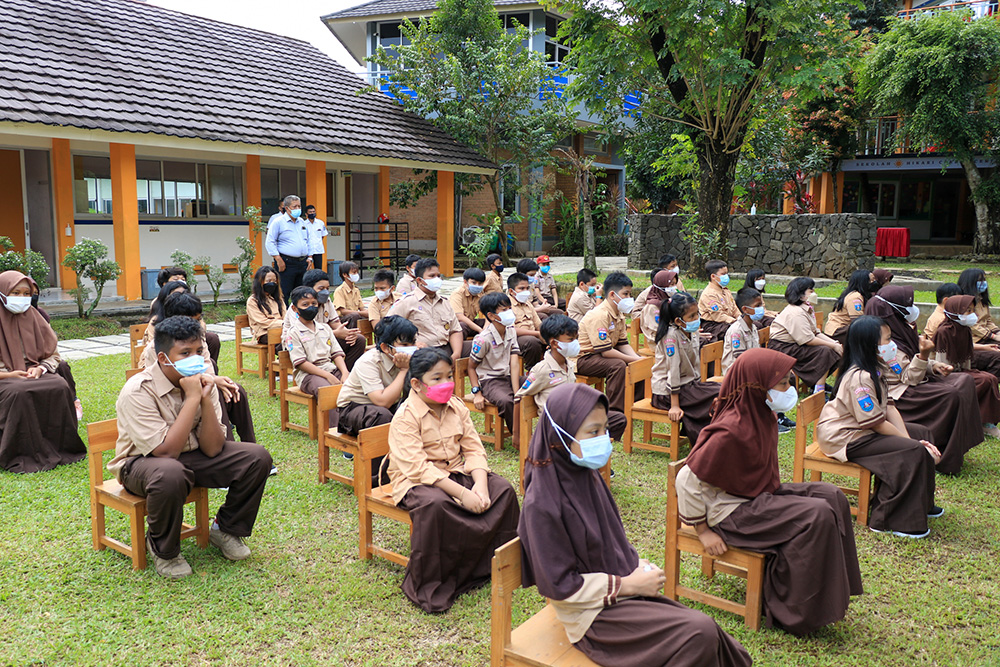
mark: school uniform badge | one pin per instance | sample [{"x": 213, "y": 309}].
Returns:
[
  {"x": 555, "y": 379},
  {"x": 477, "y": 346},
  {"x": 528, "y": 379},
  {"x": 896, "y": 368},
  {"x": 656, "y": 318},
  {"x": 715, "y": 307},
  {"x": 858, "y": 308},
  {"x": 670, "y": 346},
  {"x": 602, "y": 334},
  {"x": 736, "y": 342},
  {"x": 864, "y": 400}
]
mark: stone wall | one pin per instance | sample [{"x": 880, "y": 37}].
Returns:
[{"x": 826, "y": 246}]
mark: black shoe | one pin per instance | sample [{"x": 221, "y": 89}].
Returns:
[
  {"x": 783, "y": 429},
  {"x": 784, "y": 421},
  {"x": 274, "y": 471},
  {"x": 348, "y": 456},
  {"x": 829, "y": 394},
  {"x": 935, "y": 511},
  {"x": 612, "y": 475}
]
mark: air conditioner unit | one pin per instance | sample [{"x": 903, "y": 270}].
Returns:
[{"x": 469, "y": 234}]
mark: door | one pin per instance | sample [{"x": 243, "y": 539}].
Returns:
[{"x": 41, "y": 219}]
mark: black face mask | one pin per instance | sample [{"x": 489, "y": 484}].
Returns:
[
  {"x": 309, "y": 314},
  {"x": 34, "y": 300},
  {"x": 271, "y": 288},
  {"x": 323, "y": 295},
  {"x": 312, "y": 216}
]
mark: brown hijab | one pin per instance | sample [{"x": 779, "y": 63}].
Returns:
[
  {"x": 661, "y": 281},
  {"x": 882, "y": 276},
  {"x": 890, "y": 304},
  {"x": 569, "y": 524},
  {"x": 26, "y": 336},
  {"x": 738, "y": 451},
  {"x": 952, "y": 338}
]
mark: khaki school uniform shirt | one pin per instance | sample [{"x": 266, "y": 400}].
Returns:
[
  {"x": 852, "y": 414},
  {"x": 494, "y": 282},
  {"x": 326, "y": 314},
  {"x": 904, "y": 372},
  {"x": 649, "y": 322},
  {"x": 677, "y": 362},
  {"x": 934, "y": 321},
  {"x": 346, "y": 297},
  {"x": 580, "y": 303},
  {"x": 854, "y": 307},
  {"x": 492, "y": 352},
  {"x": 431, "y": 314},
  {"x": 379, "y": 308},
  {"x": 525, "y": 315},
  {"x": 795, "y": 324},
  {"x": 716, "y": 304},
  {"x": 373, "y": 371},
  {"x": 464, "y": 303},
  {"x": 545, "y": 376},
  {"x": 147, "y": 407},
  {"x": 405, "y": 285},
  {"x": 985, "y": 326},
  {"x": 738, "y": 339},
  {"x": 546, "y": 283},
  {"x": 640, "y": 301},
  {"x": 425, "y": 448},
  {"x": 599, "y": 591},
  {"x": 602, "y": 329},
  {"x": 261, "y": 321},
  {"x": 318, "y": 347},
  {"x": 698, "y": 501}
]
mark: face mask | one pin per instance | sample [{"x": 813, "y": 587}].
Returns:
[
  {"x": 506, "y": 317},
  {"x": 353, "y": 277},
  {"x": 271, "y": 288},
  {"x": 323, "y": 295},
  {"x": 595, "y": 451},
  {"x": 189, "y": 366},
  {"x": 626, "y": 305},
  {"x": 475, "y": 289},
  {"x": 670, "y": 291},
  {"x": 523, "y": 297},
  {"x": 782, "y": 401},
  {"x": 408, "y": 350},
  {"x": 912, "y": 313},
  {"x": 309, "y": 314},
  {"x": 676, "y": 270},
  {"x": 311, "y": 216},
  {"x": 498, "y": 268},
  {"x": 295, "y": 212},
  {"x": 381, "y": 294},
  {"x": 812, "y": 299},
  {"x": 693, "y": 325},
  {"x": 759, "y": 284},
  {"x": 18, "y": 304},
  {"x": 982, "y": 286},
  {"x": 570, "y": 349},
  {"x": 888, "y": 352},
  {"x": 434, "y": 284},
  {"x": 532, "y": 280},
  {"x": 758, "y": 314},
  {"x": 34, "y": 300},
  {"x": 544, "y": 269},
  {"x": 440, "y": 393},
  {"x": 724, "y": 281},
  {"x": 591, "y": 291},
  {"x": 965, "y": 320}
]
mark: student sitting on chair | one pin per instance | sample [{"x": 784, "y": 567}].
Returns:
[
  {"x": 935, "y": 319},
  {"x": 558, "y": 367},
  {"x": 757, "y": 279},
  {"x": 177, "y": 274},
  {"x": 742, "y": 334},
  {"x": 437, "y": 324},
  {"x": 63, "y": 370},
  {"x": 795, "y": 333},
  {"x": 586, "y": 295},
  {"x": 350, "y": 339},
  {"x": 526, "y": 320},
  {"x": 731, "y": 492},
  {"x": 171, "y": 439},
  {"x": 494, "y": 271},
  {"x": 347, "y": 297},
  {"x": 530, "y": 268},
  {"x": 716, "y": 304},
  {"x": 985, "y": 332},
  {"x": 493, "y": 360},
  {"x": 850, "y": 305},
  {"x": 576, "y": 552},
  {"x": 678, "y": 386},
  {"x": 862, "y": 425},
  {"x": 663, "y": 288},
  {"x": 439, "y": 473},
  {"x": 465, "y": 302},
  {"x": 169, "y": 274},
  {"x": 380, "y": 305},
  {"x": 266, "y": 304},
  {"x": 667, "y": 263},
  {"x": 407, "y": 284},
  {"x": 547, "y": 284},
  {"x": 38, "y": 422},
  {"x": 314, "y": 351}
]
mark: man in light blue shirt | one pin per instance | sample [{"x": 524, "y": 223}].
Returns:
[{"x": 289, "y": 243}]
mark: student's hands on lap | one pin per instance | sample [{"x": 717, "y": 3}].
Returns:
[
  {"x": 230, "y": 391},
  {"x": 675, "y": 414},
  {"x": 713, "y": 544},
  {"x": 35, "y": 372},
  {"x": 333, "y": 379},
  {"x": 646, "y": 580},
  {"x": 481, "y": 489},
  {"x": 944, "y": 370},
  {"x": 10, "y": 375},
  {"x": 933, "y": 451},
  {"x": 473, "y": 502}
]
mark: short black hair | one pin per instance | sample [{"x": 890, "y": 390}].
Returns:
[
  {"x": 667, "y": 260},
  {"x": 652, "y": 274},
  {"x": 384, "y": 276},
  {"x": 300, "y": 293},
  {"x": 615, "y": 281},
  {"x": 585, "y": 276},
  {"x": 745, "y": 297},
  {"x": 491, "y": 260},
  {"x": 423, "y": 265},
  {"x": 527, "y": 264},
  {"x": 796, "y": 289},
  {"x": 345, "y": 268},
  {"x": 411, "y": 259},
  {"x": 173, "y": 329},
  {"x": 488, "y": 303},
  {"x": 947, "y": 289},
  {"x": 181, "y": 303},
  {"x": 474, "y": 273},
  {"x": 713, "y": 265},
  {"x": 554, "y": 326},
  {"x": 515, "y": 279},
  {"x": 166, "y": 273},
  {"x": 313, "y": 276},
  {"x": 394, "y": 329},
  {"x": 311, "y": 206}
]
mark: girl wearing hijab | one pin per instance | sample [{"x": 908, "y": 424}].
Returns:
[
  {"x": 576, "y": 552},
  {"x": 63, "y": 369},
  {"x": 265, "y": 306},
  {"x": 954, "y": 346},
  {"x": 757, "y": 279},
  {"x": 730, "y": 491},
  {"x": 985, "y": 332},
  {"x": 850, "y": 305},
  {"x": 861, "y": 424},
  {"x": 794, "y": 332},
  {"x": 925, "y": 392},
  {"x": 880, "y": 278},
  {"x": 676, "y": 377},
  {"x": 461, "y": 512},
  {"x": 663, "y": 288},
  {"x": 37, "y": 416}
]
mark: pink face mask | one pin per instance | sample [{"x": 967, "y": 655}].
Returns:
[{"x": 440, "y": 393}]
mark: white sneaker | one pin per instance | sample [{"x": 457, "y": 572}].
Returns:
[
  {"x": 991, "y": 430},
  {"x": 232, "y": 547},
  {"x": 168, "y": 568},
  {"x": 897, "y": 533}
]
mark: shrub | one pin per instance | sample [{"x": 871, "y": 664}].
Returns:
[{"x": 87, "y": 260}]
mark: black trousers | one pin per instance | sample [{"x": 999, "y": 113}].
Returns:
[{"x": 291, "y": 277}]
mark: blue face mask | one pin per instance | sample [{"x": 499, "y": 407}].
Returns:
[
  {"x": 475, "y": 289},
  {"x": 693, "y": 325},
  {"x": 189, "y": 366},
  {"x": 295, "y": 212},
  {"x": 545, "y": 269},
  {"x": 982, "y": 286},
  {"x": 758, "y": 314},
  {"x": 498, "y": 268},
  {"x": 724, "y": 281},
  {"x": 595, "y": 452},
  {"x": 591, "y": 291}
]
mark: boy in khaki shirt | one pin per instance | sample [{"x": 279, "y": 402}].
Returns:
[
  {"x": 465, "y": 301},
  {"x": 494, "y": 279},
  {"x": 493, "y": 363},
  {"x": 604, "y": 348},
  {"x": 347, "y": 297},
  {"x": 350, "y": 339},
  {"x": 716, "y": 304},
  {"x": 526, "y": 320},
  {"x": 407, "y": 284},
  {"x": 437, "y": 324},
  {"x": 586, "y": 296},
  {"x": 530, "y": 268},
  {"x": 547, "y": 284},
  {"x": 171, "y": 439},
  {"x": 380, "y": 304},
  {"x": 742, "y": 334}
]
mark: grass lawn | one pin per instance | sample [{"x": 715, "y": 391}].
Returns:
[{"x": 304, "y": 597}]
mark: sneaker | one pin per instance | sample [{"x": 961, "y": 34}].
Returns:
[
  {"x": 612, "y": 474},
  {"x": 935, "y": 511},
  {"x": 168, "y": 568},
  {"x": 274, "y": 471},
  {"x": 79, "y": 409},
  {"x": 991, "y": 430},
  {"x": 232, "y": 547},
  {"x": 785, "y": 421},
  {"x": 899, "y": 533},
  {"x": 783, "y": 429},
  {"x": 348, "y": 456}
]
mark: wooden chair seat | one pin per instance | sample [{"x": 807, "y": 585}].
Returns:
[
  {"x": 373, "y": 443},
  {"x": 490, "y": 413},
  {"x": 292, "y": 394},
  {"x": 642, "y": 372},
  {"x": 253, "y": 347}
]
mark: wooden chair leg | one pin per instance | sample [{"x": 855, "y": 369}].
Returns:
[
  {"x": 864, "y": 496},
  {"x": 239, "y": 358},
  {"x": 627, "y": 435},
  {"x": 201, "y": 516},
  {"x": 262, "y": 362},
  {"x": 137, "y": 526},
  {"x": 707, "y": 567},
  {"x": 284, "y": 413},
  {"x": 672, "y": 565},
  {"x": 324, "y": 460},
  {"x": 675, "y": 441},
  {"x": 755, "y": 594},
  {"x": 364, "y": 517},
  {"x": 647, "y": 431},
  {"x": 97, "y": 527},
  {"x": 311, "y": 409}
]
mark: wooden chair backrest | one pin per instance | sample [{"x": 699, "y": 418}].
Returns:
[
  {"x": 101, "y": 436},
  {"x": 367, "y": 330},
  {"x": 326, "y": 400},
  {"x": 506, "y": 579},
  {"x": 461, "y": 373},
  {"x": 136, "y": 332},
  {"x": 638, "y": 371},
  {"x": 806, "y": 414},
  {"x": 285, "y": 366},
  {"x": 273, "y": 337},
  {"x": 819, "y": 319},
  {"x": 673, "y": 519},
  {"x": 242, "y": 322},
  {"x": 764, "y": 335},
  {"x": 711, "y": 353},
  {"x": 372, "y": 443},
  {"x": 634, "y": 329},
  {"x": 129, "y": 372}
]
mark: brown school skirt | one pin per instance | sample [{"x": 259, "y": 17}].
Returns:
[
  {"x": 717, "y": 329},
  {"x": 451, "y": 549},
  {"x": 840, "y": 335},
  {"x": 949, "y": 408},
  {"x": 813, "y": 362},
  {"x": 38, "y": 424},
  {"x": 657, "y": 632},
  {"x": 987, "y": 360},
  {"x": 805, "y": 529},
  {"x": 987, "y": 394},
  {"x": 696, "y": 400}
]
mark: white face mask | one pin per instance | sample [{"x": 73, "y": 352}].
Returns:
[
  {"x": 812, "y": 299},
  {"x": 782, "y": 401},
  {"x": 759, "y": 284},
  {"x": 967, "y": 320},
  {"x": 506, "y": 317},
  {"x": 912, "y": 313},
  {"x": 626, "y": 305},
  {"x": 523, "y": 297},
  {"x": 17, "y": 304},
  {"x": 672, "y": 290},
  {"x": 354, "y": 277},
  {"x": 381, "y": 294},
  {"x": 570, "y": 349},
  {"x": 408, "y": 350},
  {"x": 888, "y": 352},
  {"x": 434, "y": 284}
]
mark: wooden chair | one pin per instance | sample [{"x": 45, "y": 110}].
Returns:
[
  {"x": 811, "y": 458},
  {"x": 819, "y": 319},
  {"x": 273, "y": 364},
  {"x": 489, "y": 411},
  {"x": 252, "y": 347},
  {"x": 331, "y": 438},
  {"x": 129, "y": 372},
  {"x": 764, "y": 335},
  {"x": 711, "y": 359},
  {"x": 635, "y": 335},
  {"x": 137, "y": 345},
  {"x": 539, "y": 641},
  {"x": 367, "y": 330},
  {"x": 101, "y": 437},
  {"x": 739, "y": 562},
  {"x": 638, "y": 372},
  {"x": 373, "y": 443},
  {"x": 292, "y": 394}
]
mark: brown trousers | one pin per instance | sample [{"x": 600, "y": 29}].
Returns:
[
  {"x": 532, "y": 350},
  {"x": 311, "y": 384},
  {"x": 500, "y": 393},
  {"x": 165, "y": 482},
  {"x": 613, "y": 372},
  {"x": 236, "y": 414},
  {"x": 353, "y": 351}
]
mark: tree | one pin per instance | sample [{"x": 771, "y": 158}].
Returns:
[
  {"x": 87, "y": 260},
  {"x": 705, "y": 64},
  {"x": 244, "y": 264},
  {"x": 215, "y": 275},
  {"x": 185, "y": 261},
  {"x": 585, "y": 180},
  {"x": 642, "y": 145},
  {"x": 473, "y": 79},
  {"x": 29, "y": 262},
  {"x": 939, "y": 73}
]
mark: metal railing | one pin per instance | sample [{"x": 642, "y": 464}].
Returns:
[
  {"x": 376, "y": 245},
  {"x": 878, "y": 137},
  {"x": 979, "y": 8}
]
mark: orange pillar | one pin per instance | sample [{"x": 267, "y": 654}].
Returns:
[
  {"x": 824, "y": 203},
  {"x": 840, "y": 192},
  {"x": 316, "y": 187},
  {"x": 125, "y": 217},
  {"x": 788, "y": 202},
  {"x": 383, "y": 209},
  {"x": 62, "y": 188},
  {"x": 446, "y": 222},
  {"x": 253, "y": 198}
]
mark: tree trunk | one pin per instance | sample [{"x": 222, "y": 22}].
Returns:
[
  {"x": 985, "y": 241},
  {"x": 494, "y": 184},
  {"x": 834, "y": 170},
  {"x": 589, "y": 251},
  {"x": 715, "y": 191}
]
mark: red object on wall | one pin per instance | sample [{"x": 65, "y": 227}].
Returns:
[{"x": 892, "y": 242}]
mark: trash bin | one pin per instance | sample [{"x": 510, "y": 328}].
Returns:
[
  {"x": 333, "y": 270},
  {"x": 150, "y": 289}
]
